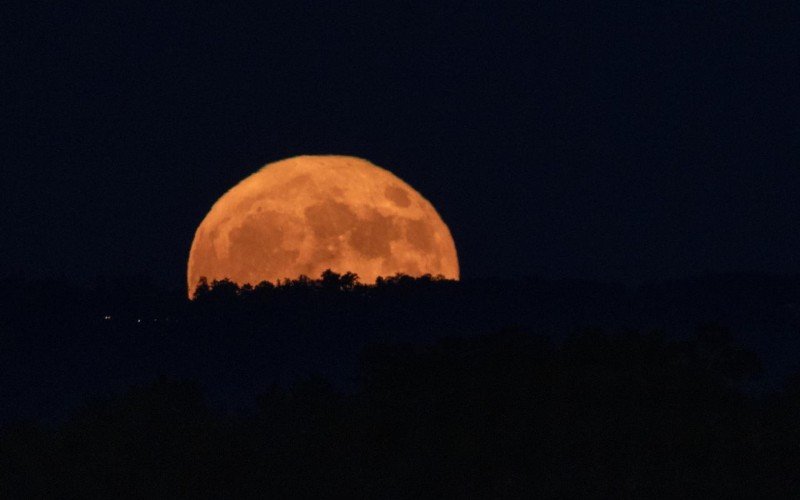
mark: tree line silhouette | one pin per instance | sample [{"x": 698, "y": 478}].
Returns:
[
  {"x": 431, "y": 409},
  {"x": 330, "y": 282}
]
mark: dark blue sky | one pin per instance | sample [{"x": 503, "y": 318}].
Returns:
[{"x": 620, "y": 142}]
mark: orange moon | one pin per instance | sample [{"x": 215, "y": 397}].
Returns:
[{"x": 306, "y": 214}]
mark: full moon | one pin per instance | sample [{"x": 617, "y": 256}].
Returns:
[{"x": 306, "y": 214}]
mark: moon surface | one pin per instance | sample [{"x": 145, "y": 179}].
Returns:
[{"x": 306, "y": 214}]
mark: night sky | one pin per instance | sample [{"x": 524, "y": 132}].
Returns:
[{"x": 611, "y": 142}]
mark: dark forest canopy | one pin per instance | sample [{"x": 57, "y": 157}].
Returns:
[
  {"x": 507, "y": 415},
  {"x": 413, "y": 387},
  {"x": 127, "y": 314}
]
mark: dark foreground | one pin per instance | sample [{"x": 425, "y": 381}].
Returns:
[{"x": 423, "y": 413}]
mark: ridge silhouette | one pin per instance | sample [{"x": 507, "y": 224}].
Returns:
[{"x": 407, "y": 388}]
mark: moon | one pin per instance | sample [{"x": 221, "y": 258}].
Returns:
[{"x": 303, "y": 215}]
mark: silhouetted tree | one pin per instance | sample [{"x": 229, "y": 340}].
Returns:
[
  {"x": 332, "y": 281},
  {"x": 202, "y": 289}
]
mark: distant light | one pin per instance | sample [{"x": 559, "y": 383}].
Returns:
[
  {"x": 139, "y": 320},
  {"x": 106, "y": 317}
]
